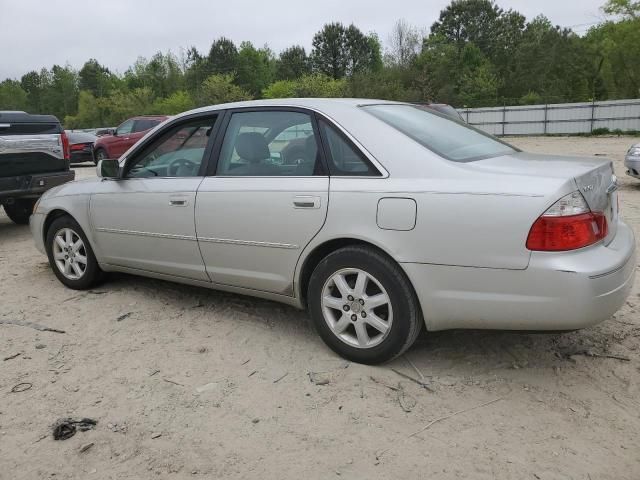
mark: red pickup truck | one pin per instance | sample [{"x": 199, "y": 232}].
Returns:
[{"x": 123, "y": 138}]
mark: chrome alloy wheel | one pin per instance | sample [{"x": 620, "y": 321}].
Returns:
[
  {"x": 70, "y": 254},
  {"x": 357, "y": 308}
]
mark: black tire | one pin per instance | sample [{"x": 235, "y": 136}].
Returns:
[
  {"x": 99, "y": 154},
  {"x": 407, "y": 318},
  {"x": 92, "y": 273},
  {"x": 20, "y": 210}
]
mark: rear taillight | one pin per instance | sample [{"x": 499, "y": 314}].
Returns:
[
  {"x": 567, "y": 225},
  {"x": 65, "y": 145}
]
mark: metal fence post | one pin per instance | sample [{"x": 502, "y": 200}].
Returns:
[
  {"x": 593, "y": 113},
  {"x": 546, "y": 110},
  {"x": 504, "y": 117}
]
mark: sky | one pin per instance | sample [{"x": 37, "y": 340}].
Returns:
[{"x": 36, "y": 34}]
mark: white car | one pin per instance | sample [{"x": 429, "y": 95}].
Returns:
[{"x": 380, "y": 218}]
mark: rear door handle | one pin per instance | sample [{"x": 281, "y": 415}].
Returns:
[
  {"x": 303, "y": 201},
  {"x": 178, "y": 201}
]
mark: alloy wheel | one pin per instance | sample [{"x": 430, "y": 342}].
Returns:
[
  {"x": 357, "y": 308},
  {"x": 69, "y": 254}
]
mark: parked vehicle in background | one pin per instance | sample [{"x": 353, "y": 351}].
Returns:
[
  {"x": 81, "y": 146},
  {"x": 632, "y": 161},
  {"x": 444, "y": 109},
  {"x": 34, "y": 156},
  {"x": 392, "y": 218},
  {"x": 125, "y": 136}
]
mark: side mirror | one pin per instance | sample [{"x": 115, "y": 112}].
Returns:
[
  {"x": 108, "y": 168},
  {"x": 114, "y": 132}
]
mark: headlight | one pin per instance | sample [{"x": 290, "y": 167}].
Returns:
[{"x": 634, "y": 152}]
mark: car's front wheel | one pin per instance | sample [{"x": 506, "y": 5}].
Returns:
[
  {"x": 20, "y": 210},
  {"x": 363, "y": 305},
  {"x": 71, "y": 256}
]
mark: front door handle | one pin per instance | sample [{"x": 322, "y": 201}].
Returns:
[{"x": 304, "y": 201}]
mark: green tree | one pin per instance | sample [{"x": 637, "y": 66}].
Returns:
[
  {"x": 340, "y": 51},
  {"x": 615, "y": 48},
  {"x": 89, "y": 115},
  {"x": 292, "y": 63},
  {"x": 222, "y": 57},
  {"x": 219, "y": 88},
  {"x": 175, "y": 103},
  {"x": 12, "y": 96},
  {"x": 94, "y": 78},
  {"x": 626, "y": 8},
  {"x": 255, "y": 68},
  {"x": 34, "y": 84},
  {"x": 316, "y": 85}
]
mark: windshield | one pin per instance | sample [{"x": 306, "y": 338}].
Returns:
[{"x": 448, "y": 138}]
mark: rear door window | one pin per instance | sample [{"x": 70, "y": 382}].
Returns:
[{"x": 143, "y": 124}]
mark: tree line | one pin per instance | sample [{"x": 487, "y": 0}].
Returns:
[{"x": 475, "y": 54}]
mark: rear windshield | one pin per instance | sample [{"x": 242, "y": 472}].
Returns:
[
  {"x": 448, "y": 138},
  {"x": 29, "y": 128}
]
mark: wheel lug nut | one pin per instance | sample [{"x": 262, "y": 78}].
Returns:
[
  {"x": 364, "y": 314},
  {"x": 354, "y": 317},
  {"x": 346, "y": 308},
  {"x": 350, "y": 298},
  {"x": 361, "y": 301}
]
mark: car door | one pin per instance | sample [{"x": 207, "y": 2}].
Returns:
[
  {"x": 121, "y": 140},
  {"x": 267, "y": 199},
  {"x": 145, "y": 219}
]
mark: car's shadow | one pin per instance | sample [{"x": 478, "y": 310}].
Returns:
[{"x": 453, "y": 352}]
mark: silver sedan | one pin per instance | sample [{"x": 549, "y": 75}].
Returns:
[
  {"x": 632, "y": 161},
  {"x": 380, "y": 218}
]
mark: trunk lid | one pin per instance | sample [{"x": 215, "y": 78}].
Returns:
[{"x": 593, "y": 177}]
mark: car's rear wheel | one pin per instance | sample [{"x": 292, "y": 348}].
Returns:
[
  {"x": 99, "y": 154},
  {"x": 20, "y": 210},
  {"x": 70, "y": 255},
  {"x": 363, "y": 305}
]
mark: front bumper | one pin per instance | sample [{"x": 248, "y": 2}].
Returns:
[
  {"x": 36, "y": 223},
  {"x": 557, "y": 291},
  {"x": 633, "y": 166},
  {"x": 33, "y": 185}
]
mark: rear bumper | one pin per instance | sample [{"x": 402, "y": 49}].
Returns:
[
  {"x": 32, "y": 185},
  {"x": 558, "y": 290}
]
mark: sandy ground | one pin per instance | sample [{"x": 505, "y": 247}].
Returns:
[{"x": 190, "y": 383}]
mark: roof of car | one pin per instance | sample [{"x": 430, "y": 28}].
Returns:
[
  {"x": 150, "y": 117},
  {"x": 313, "y": 103}
]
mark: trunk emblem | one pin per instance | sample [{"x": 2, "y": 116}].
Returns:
[{"x": 587, "y": 188}]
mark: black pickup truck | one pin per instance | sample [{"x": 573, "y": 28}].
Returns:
[{"x": 34, "y": 157}]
